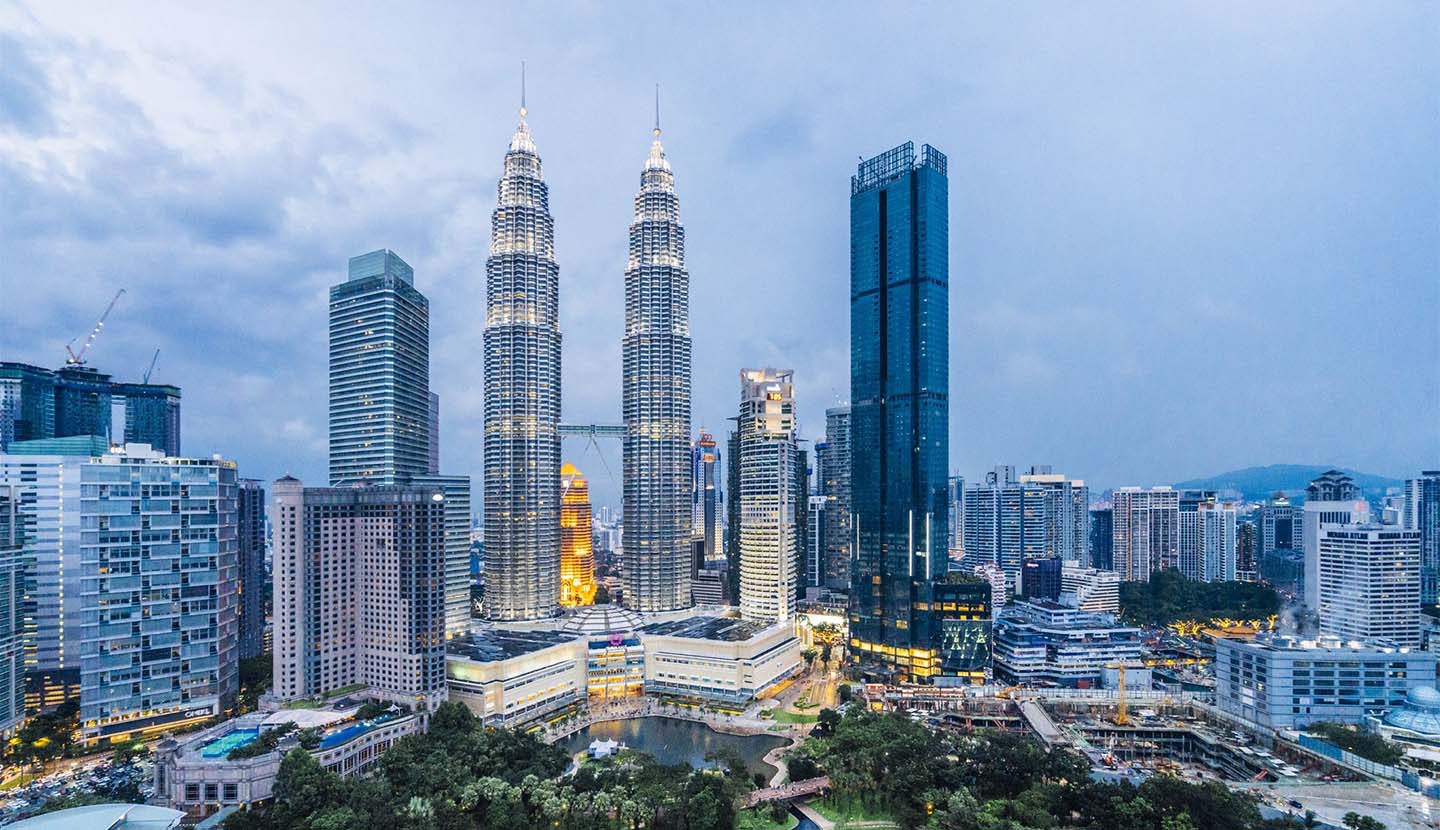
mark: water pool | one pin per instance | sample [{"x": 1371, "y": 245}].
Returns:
[{"x": 220, "y": 747}]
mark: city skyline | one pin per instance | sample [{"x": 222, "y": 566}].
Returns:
[{"x": 237, "y": 259}]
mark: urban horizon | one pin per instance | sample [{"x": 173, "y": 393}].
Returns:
[{"x": 1019, "y": 343}]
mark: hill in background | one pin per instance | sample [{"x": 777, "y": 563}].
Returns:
[{"x": 1259, "y": 483}]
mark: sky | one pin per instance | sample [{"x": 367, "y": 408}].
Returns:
[{"x": 1184, "y": 237}]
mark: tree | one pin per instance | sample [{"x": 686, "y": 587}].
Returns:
[
  {"x": 1355, "y": 821},
  {"x": 828, "y": 635},
  {"x": 809, "y": 655},
  {"x": 602, "y": 595}
]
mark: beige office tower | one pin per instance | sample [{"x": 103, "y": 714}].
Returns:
[
  {"x": 768, "y": 455},
  {"x": 359, "y": 576}
]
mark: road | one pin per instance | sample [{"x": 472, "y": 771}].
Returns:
[{"x": 1398, "y": 807}]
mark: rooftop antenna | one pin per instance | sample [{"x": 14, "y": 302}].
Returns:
[
  {"x": 657, "y": 110},
  {"x": 522, "y": 89}
]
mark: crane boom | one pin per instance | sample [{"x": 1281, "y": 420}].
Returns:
[
  {"x": 75, "y": 358},
  {"x": 153, "y": 358}
]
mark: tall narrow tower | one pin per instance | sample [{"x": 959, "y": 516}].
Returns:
[
  {"x": 522, "y": 393},
  {"x": 656, "y": 396}
]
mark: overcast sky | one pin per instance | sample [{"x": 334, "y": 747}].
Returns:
[{"x": 1185, "y": 238}]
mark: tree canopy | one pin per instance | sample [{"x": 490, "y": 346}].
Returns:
[{"x": 1170, "y": 597}]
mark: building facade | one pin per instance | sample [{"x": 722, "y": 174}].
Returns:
[
  {"x": 1144, "y": 531},
  {"x": 963, "y": 618},
  {"x": 1043, "y": 642},
  {"x": 1092, "y": 589},
  {"x": 1067, "y": 514},
  {"x": 1102, "y": 528},
  {"x": 833, "y": 480},
  {"x": 655, "y": 396},
  {"x": 250, "y": 567},
  {"x": 1369, "y": 579},
  {"x": 379, "y": 373},
  {"x": 522, "y": 393},
  {"x": 359, "y": 591},
  {"x": 1331, "y": 499},
  {"x": 1280, "y": 525},
  {"x": 159, "y": 644},
  {"x": 1282, "y": 683},
  {"x": 458, "y": 519},
  {"x": 705, "y": 496},
  {"x": 899, "y": 402},
  {"x": 769, "y": 543},
  {"x": 1422, "y": 514},
  {"x": 577, "y": 553},
  {"x": 12, "y": 613},
  {"x": 38, "y": 403}
]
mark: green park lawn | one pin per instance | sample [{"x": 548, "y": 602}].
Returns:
[
  {"x": 782, "y": 716},
  {"x": 845, "y": 813},
  {"x": 760, "y": 820}
]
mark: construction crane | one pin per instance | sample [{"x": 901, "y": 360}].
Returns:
[
  {"x": 146, "y": 377},
  {"x": 1122, "y": 712},
  {"x": 75, "y": 358}
]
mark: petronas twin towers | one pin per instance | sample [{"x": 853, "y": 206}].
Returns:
[{"x": 522, "y": 395}]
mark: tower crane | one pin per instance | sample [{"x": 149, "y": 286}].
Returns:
[
  {"x": 74, "y": 358},
  {"x": 146, "y": 377},
  {"x": 1122, "y": 712}
]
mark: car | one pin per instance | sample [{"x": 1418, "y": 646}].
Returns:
[{"x": 1295, "y": 805}]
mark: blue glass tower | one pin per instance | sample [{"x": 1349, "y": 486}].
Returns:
[{"x": 899, "y": 380}]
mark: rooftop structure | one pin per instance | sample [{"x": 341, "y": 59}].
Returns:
[{"x": 104, "y": 817}]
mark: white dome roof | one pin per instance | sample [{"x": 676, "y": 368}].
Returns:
[{"x": 602, "y": 621}]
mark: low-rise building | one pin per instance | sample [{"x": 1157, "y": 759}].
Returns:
[
  {"x": 1285, "y": 683},
  {"x": 193, "y": 772},
  {"x": 1090, "y": 589},
  {"x": 514, "y": 677},
  {"x": 1043, "y": 643}
]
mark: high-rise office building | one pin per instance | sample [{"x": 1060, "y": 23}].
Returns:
[
  {"x": 899, "y": 405},
  {"x": 1218, "y": 543},
  {"x": 152, "y": 415},
  {"x": 1247, "y": 561},
  {"x": 159, "y": 637},
  {"x": 76, "y": 400},
  {"x": 433, "y": 464},
  {"x": 27, "y": 403},
  {"x": 250, "y": 556},
  {"x": 1067, "y": 513},
  {"x": 12, "y": 613},
  {"x": 815, "y": 541},
  {"x": 705, "y": 519},
  {"x": 1370, "y": 583},
  {"x": 1280, "y": 526},
  {"x": 1101, "y": 538},
  {"x": 800, "y": 494},
  {"x": 1040, "y": 578},
  {"x": 458, "y": 521},
  {"x": 1144, "y": 531},
  {"x": 767, "y": 459},
  {"x": 955, "y": 501},
  {"x": 47, "y": 475},
  {"x": 1008, "y": 522},
  {"x": 359, "y": 591},
  {"x": 656, "y": 396},
  {"x": 833, "y": 478},
  {"x": 522, "y": 394},
  {"x": 577, "y": 553},
  {"x": 1331, "y": 499},
  {"x": 1422, "y": 514},
  {"x": 379, "y": 373}
]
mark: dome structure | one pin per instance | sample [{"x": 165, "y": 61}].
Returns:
[
  {"x": 1420, "y": 714},
  {"x": 598, "y": 621}
]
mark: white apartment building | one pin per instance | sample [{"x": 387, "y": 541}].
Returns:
[
  {"x": 768, "y": 456},
  {"x": 1331, "y": 499},
  {"x": 1370, "y": 584},
  {"x": 359, "y": 576},
  {"x": 1145, "y": 531},
  {"x": 1094, "y": 590}
]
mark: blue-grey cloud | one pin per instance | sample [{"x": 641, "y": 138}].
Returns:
[{"x": 1201, "y": 241}]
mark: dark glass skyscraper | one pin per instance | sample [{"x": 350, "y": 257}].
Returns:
[
  {"x": 250, "y": 538},
  {"x": 899, "y": 382}
]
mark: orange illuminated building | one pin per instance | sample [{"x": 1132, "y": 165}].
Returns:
[{"x": 577, "y": 556}]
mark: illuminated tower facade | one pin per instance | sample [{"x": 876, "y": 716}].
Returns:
[
  {"x": 522, "y": 393},
  {"x": 899, "y": 408},
  {"x": 577, "y": 556},
  {"x": 656, "y": 396},
  {"x": 768, "y": 504}
]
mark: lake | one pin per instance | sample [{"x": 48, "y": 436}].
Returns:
[{"x": 675, "y": 741}]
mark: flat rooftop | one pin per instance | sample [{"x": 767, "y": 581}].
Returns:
[
  {"x": 492, "y": 645},
  {"x": 720, "y": 629}
]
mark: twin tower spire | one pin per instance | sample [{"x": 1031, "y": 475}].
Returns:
[{"x": 522, "y": 393}]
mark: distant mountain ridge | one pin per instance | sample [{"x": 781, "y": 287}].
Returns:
[{"x": 1260, "y": 483}]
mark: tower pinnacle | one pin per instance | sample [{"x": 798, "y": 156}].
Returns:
[
  {"x": 657, "y": 110},
  {"x": 522, "y": 90}
]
